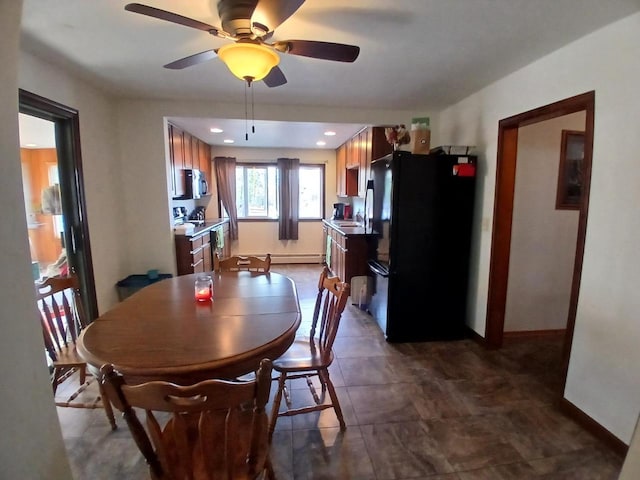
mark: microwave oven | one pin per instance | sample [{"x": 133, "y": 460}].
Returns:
[{"x": 195, "y": 184}]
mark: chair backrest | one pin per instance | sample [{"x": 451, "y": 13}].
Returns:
[
  {"x": 240, "y": 262},
  {"x": 215, "y": 429},
  {"x": 330, "y": 303},
  {"x": 61, "y": 313}
]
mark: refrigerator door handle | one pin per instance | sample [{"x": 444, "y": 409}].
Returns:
[{"x": 378, "y": 269}]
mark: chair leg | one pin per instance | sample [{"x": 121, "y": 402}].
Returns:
[
  {"x": 324, "y": 375},
  {"x": 55, "y": 380},
  {"x": 323, "y": 383},
  {"x": 107, "y": 406},
  {"x": 276, "y": 404},
  {"x": 269, "y": 473}
]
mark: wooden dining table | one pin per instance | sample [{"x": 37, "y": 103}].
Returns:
[{"x": 162, "y": 333}]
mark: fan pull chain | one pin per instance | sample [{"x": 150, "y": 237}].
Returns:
[
  {"x": 253, "y": 117},
  {"x": 246, "y": 120}
]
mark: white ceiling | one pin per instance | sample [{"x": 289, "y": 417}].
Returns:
[
  {"x": 36, "y": 132},
  {"x": 268, "y": 133},
  {"x": 418, "y": 55}
]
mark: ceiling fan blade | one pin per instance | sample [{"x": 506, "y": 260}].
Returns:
[
  {"x": 269, "y": 14},
  {"x": 338, "y": 52},
  {"x": 275, "y": 78},
  {"x": 170, "y": 17},
  {"x": 192, "y": 60}
]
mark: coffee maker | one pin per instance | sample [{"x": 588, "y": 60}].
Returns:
[
  {"x": 338, "y": 211},
  {"x": 197, "y": 216}
]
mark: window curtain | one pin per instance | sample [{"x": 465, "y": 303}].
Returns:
[
  {"x": 288, "y": 197},
  {"x": 225, "y": 168}
]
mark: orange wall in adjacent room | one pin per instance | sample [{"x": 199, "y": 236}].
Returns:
[{"x": 45, "y": 245}]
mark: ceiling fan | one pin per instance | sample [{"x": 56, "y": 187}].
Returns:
[{"x": 250, "y": 24}]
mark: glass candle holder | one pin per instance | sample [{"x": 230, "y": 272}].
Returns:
[{"x": 204, "y": 288}]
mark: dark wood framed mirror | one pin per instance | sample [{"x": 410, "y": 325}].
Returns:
[{"x": 570, "y": 171}]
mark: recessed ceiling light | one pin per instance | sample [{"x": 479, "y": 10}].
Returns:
[
  {"x": 216, "y": 130},
  {"x": 321, "y": 143},
  {"x": 228, "y": 140},
  {"x": 329, "y": 133},
  {"x": 31, "y": 145}
]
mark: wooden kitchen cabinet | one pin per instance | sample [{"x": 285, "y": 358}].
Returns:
[
  {"x": 176, "y": 158},
  {"x": 186, "y": 152},
  {"x": 341, "y": 170},
  {"x": 193, "y": 253},
  {"x": 346, "y": 178},
  {"x": 191, "y": 159},
  {"x": 379, "y": 145},
  {"x": 347, "y": 254},
  {"x": 353, "y": 160},
  {"x": 204, "y": 155},
  {"x": 353, "y": 152},
  {"x": 364, "y": 145},
  {"x": 374, "y": 145}
]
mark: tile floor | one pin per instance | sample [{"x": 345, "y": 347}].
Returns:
[{"x": 435, "y": 410}]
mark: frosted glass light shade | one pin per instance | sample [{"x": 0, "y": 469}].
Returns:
[{"x": 248, "y": 60}]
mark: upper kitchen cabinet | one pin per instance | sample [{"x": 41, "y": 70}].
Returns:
[
  {"x": 364, "y": 157},
  {"x": 191, "y": 158},
  {"x": 176, "y": 157},
  {"x": 353, "y": 152},
  {"x": 341, "y": 158},
  {"x": 346, "y": 179},
  {"x": 353, "y": 160},
  {"x": 186, "y": 152},
  {"x": 379, "y": 145},
  {"x": 204, "y": 153}
]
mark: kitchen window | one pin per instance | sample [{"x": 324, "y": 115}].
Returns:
[{"x": 257, "y": 191}]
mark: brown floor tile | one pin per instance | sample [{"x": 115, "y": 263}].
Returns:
[
  {"x": 404, "y": 450},
  {"x": 327, "y": 453},
  {"x": 472, "y": 442},
  {"x": 414, "y": 411},
  {"x": 383, "y": 403},
  {"x": 585, "y": 464}
]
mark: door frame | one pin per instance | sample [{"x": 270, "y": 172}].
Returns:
[
  {"x": 503, "y": 213},
  {"x": 76, "y": 230}
]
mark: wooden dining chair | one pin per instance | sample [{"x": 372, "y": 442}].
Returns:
[
  {"x": 238, "y": 263},
  {"x": 311, "y": 357},
  {"x": 62, "y": 319},
  {"x": 213, "y": 430}
]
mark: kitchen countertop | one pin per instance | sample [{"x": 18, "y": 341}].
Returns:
[
  {"x": 208, "y": 225},
  {"x": 348, "y": 227}
]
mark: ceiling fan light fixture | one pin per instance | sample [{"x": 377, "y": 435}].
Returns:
[{"x": 248, "y": 61}]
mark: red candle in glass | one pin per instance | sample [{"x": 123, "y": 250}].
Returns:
[{"x": 204, "y": 289}]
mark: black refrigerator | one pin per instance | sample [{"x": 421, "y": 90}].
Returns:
[{"x": 422, "y": 211}]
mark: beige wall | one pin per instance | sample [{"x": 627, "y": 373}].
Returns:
[
  {"x": 543, "y": 239},
  {"x": 602, "y": 379},
  {"x": 31, "y": 445},
  {"x": 101, "y": 167}
]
